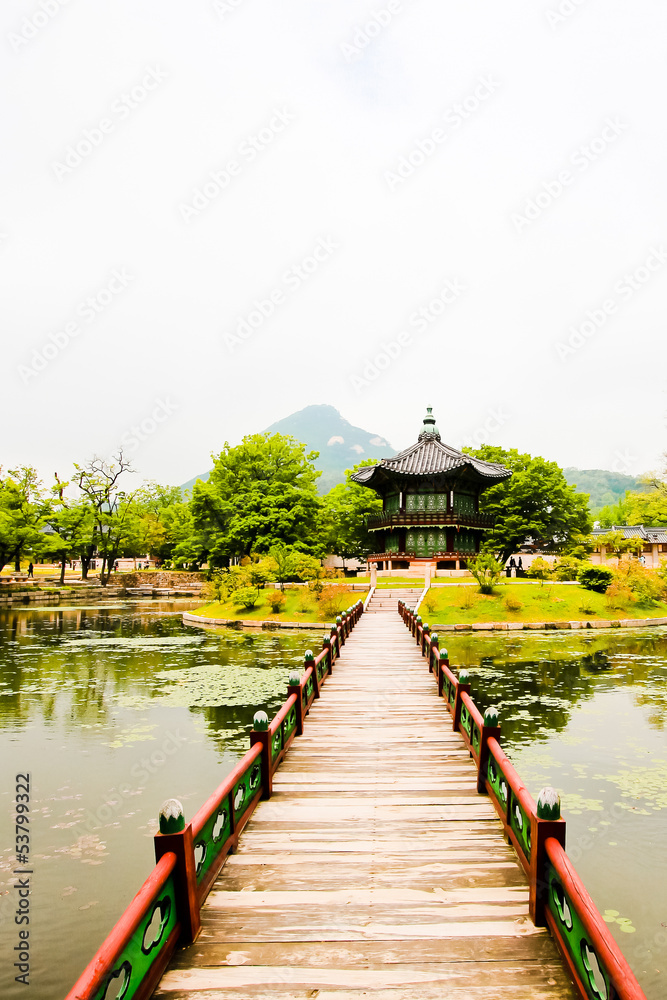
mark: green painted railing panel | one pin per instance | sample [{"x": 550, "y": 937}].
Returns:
[
  {"x": 245, "y": 788},
  {"x": 143, "y": 949},
  {"x": 497, "y": 780},
  {"x": 476, "y": 737},
  {"x": 520, "y": 826},
  {"x": 466, "y": 722},
  {"x": 213, "y": 835},
  {"x": 584, "y": 957}
]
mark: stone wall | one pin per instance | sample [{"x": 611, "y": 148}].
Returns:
[{"x": 160, "y": 578}]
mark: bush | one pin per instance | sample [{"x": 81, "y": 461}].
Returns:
[
  {"x": 539, "y": 569},
  {"x": 246, "y": 597},
  {"x": 276, "y": 600},
  {"x": 486, "y": 569},
  {"x": 332, "y": 600},
  {"x": 512, "y": 603},
  {"x": 618, "y": 596},
  {"x": 644, "y": 584},
  {"x": 566, "y": 568},
  {"x": 586, "y": 605},
  {"x": 468, "y": 598},
  {"x": 304, "y": 601},
  {"x": 595, "y": 578},
  {"x": 430, "y": 602}
]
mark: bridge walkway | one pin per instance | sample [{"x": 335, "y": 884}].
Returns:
[{"x": 375, "y": 869}]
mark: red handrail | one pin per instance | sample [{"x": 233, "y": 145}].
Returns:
[
  {"x": 283, "y": 712},
  {"x": 205, "y": 812},
  {"x": 92, "y": 978},
  {"x": 608, "y": 951}
]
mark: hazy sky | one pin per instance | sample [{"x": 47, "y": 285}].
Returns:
[{"x": 215, "y": 213}]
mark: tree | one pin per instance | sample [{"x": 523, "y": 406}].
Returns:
[
  {"x": 486, "y": 570},
  {"x": 346, "y": 509},
  {"x": 540, "y": 570},
  {"x": 98, "y": 481},
  {"x": 72, "y": 525},
  {"x": 536, "y": 501},
  {"x": 260, "y": 492},
  {"x": 23, "y": 509}
]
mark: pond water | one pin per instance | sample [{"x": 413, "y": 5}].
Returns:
[{"x": 114, "y": 709}]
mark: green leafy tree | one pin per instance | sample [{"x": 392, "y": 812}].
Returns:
[
  {"x": 23, "y": 511},
  {"x": 72, "y": 527},
  {"x": 260, "y": 492},
  {"x": 486, "y": 570},
  {"x": 540, "y": 570},
  {"x": 347, "y": 508},
  {"x": 98, "y": 481},
  {"x": 536, "y": 501}
]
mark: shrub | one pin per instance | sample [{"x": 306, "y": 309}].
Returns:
[
  {"x": 486, "y": 569},
  {"x": 332, "y": 601},
  {"x": 595, "y": 578},
  {"x": 567, "y": 568},
  {"x": 304, "y": 601},
  {"x": 618, "y": 596},
  {"x": 586, "y": 605},
  {"x": 430, "y": 602},
  {"x": 246, "y": 597},
  {"x": 468, "y": 598},
  {"x": 644, "y": 584},
  {"x": 539, "y": 569},
  {"x": 276, "y": 600},
  {"x": 512, "y": 603}
]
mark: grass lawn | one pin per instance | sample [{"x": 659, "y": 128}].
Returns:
[
  {"x": 300, "y": 605},
  {"x": 551, "y": 603}
]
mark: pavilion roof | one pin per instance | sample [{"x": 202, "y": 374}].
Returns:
[{"x": 430, "y": 457}]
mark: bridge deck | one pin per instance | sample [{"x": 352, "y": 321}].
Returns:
[{"x": 375, "y": 868}]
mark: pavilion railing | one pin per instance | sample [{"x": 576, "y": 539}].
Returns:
[
  {"x": 165, "y": 912},
  {"x": 557, "y": 896}
]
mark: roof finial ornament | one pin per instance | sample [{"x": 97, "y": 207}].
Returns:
[{"x": 429, "y": 430}]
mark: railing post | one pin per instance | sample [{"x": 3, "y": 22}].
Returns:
[
  {"x": 426, "y": 629},
  {"x": 340, "y": 630},
  {"x": 309, "y": 661},
  {"x": 418, "y": 621},
  {"x": 489, "y": 729},
  {"x": 328, "y": 645},
  {"x": 294, "y": 687},
  {"x": 547, "y": 823},
  {"x": 462, "y": 685},
  {"x": 335, "y": 639},
  {"x": 175, "y": 835},
  {"x": 260, "y": 734}
]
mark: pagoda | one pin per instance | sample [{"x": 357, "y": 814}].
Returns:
[{"x": 430, "y": 493}]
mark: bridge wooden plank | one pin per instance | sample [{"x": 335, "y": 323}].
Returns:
[{"x": 375, "y": 869}]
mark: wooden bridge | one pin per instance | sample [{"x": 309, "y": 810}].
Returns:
[{"x": 372, "y": 866}]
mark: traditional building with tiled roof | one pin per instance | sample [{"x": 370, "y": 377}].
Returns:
[
  {"x": 653, "y": 548},
  {"x": 430, "y": 493}
]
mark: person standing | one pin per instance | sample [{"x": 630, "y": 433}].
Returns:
[{"x": 30, "y": 570}]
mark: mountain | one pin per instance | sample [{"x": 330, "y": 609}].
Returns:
[
  {"x": 603, "y": 486},
  {"x": 340, "y": 444}
]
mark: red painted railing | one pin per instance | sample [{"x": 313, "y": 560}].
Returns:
[
  {"x": 166, "y": 910},
  {"x": 557, "y": 897}
]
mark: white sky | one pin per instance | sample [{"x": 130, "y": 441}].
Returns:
[{"x": 336, "y": 123}]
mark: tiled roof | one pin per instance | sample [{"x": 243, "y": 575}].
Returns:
[{"x": 655, "y": 534}]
